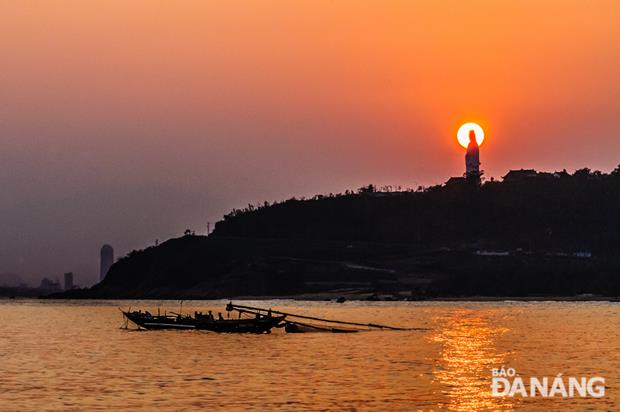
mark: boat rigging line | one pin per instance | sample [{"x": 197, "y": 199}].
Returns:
[{"x": 254, "y": 310}]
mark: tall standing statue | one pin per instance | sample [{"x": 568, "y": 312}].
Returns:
[{"x": 472, "y": 159}]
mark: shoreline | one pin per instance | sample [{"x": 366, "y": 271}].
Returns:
[
  {"x": 332, "y": 297},
  {"x": 445, "y": 299}
]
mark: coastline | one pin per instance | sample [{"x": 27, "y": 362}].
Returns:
[
  {"x": 332, "y": 297},
  {"x": 442, "y": 299}
]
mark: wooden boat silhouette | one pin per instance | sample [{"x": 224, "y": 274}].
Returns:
[
  {"x": 262, "y": 324},
  {"x": 260, "y": 320}
]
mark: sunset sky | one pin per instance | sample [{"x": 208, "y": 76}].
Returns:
[{"x": 126, "y": 121}]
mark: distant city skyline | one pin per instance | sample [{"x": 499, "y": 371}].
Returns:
[{"x": 127, "y": 122}]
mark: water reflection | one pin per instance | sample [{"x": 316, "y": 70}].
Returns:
[
  {"x": 73, "y": 356},
  {"x": 468, "y": 352}
]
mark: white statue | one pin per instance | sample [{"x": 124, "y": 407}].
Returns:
[{"x": 472, "y": 157}]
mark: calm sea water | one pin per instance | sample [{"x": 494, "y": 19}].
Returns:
[{"x": 59, "y": 355}]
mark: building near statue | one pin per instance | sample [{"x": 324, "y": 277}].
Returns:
[{"x": 107, "y": 260}]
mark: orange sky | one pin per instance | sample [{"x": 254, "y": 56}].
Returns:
[{"x": 126, "y": 121}]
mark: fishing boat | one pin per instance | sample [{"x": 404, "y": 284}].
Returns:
[
  {"x": 259, "y": 324},
  {"x": 256, "y": 320}
]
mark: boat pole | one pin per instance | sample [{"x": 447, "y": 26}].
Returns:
[{"x": 370, "y": 325}]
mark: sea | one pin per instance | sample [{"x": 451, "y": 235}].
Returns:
[{"x": 78, "y": 356}]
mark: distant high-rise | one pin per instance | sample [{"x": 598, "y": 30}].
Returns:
[
  {"x": 107, "y": 259},
  {"x": 68, "y": 280}
]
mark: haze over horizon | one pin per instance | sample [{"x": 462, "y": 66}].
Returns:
[{"x": 126, "y": 122}]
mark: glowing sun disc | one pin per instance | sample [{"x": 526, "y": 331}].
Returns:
[{"x": 463, "y": 134}]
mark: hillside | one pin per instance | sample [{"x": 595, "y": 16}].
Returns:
[{"x": 531, "y": 234}]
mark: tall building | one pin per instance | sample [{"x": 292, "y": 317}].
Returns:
[
  {"x": 107, "y": 259},
  {"x": 68, "y": 280}
]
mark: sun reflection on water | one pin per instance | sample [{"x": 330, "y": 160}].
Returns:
[{"x": 468, "y": 353}]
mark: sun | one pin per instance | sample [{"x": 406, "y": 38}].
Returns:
[{"x": 463, "y": 134}]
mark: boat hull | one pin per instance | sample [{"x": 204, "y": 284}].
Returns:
[{"x": 262, "y": 325}]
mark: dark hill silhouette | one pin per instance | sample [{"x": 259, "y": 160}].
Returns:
[
  {"x": 561, "y": 212},
  {"x": 531, "y": 234}
]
